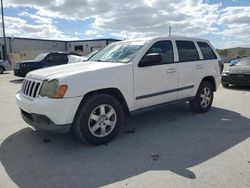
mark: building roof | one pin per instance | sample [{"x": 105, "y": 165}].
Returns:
[{"x": 88, "y": 40}]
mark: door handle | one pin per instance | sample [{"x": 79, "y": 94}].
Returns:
[
  {"x": 171, "y": 70},
  {"x": 199, "y": 66}
]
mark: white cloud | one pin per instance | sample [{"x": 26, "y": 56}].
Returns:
[
  {"x": 20, "y": 27},
  {"x": 129, "y": 18}
]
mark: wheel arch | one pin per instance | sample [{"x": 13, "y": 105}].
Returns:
[
  {"x": 114, "y": 92},
  {"x": 3, "y": 67},
  {"x": 211, "y": 80}
]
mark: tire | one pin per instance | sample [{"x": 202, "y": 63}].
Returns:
[
  {"x": 203, "y": 99},
  {"x": 1, "y": 70},
  {"x": 98, "y": 119},
  {"x": 224, "y": 85}
]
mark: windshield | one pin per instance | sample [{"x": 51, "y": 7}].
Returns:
[
  {"x": 91, "y": 54},
  {"x": 244, "y": 62},
  {"x": 121, "y": 52},
  {"x": 40, "y": 56}
]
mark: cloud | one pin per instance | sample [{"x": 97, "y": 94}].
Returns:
[
  {"x": 129, "y": 18},
  {"x": 44, "y": 29}
]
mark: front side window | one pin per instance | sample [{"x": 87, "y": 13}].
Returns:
[
  {"x": 120, "y": 52},
  {"x": 165, "y": 49},
  {"x": 206, "y": 51},
  {"x": 187, "y": 51}
]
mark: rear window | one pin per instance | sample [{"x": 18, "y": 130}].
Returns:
[
  {"x": 187, "y": 51},
  {"x": 206, "y": 51}
]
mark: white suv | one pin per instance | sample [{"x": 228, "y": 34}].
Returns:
[{"x": 126, "y": 77}]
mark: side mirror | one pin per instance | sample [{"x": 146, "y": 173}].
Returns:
[{"x": 150, "y": 60}]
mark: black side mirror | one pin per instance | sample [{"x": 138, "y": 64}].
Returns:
[{"x": 150, "y": 60}]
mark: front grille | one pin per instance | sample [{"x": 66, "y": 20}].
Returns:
[
  {"x": 31, "y": 88},
  {"x": 240, "y": 77}
]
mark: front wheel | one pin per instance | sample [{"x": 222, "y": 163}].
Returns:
[
  {"x": 1, "y": 70},
  {"x": 98, "y": 119},
  {"x": 203, "y": 99},
  {"x": 224, "y": 85}
]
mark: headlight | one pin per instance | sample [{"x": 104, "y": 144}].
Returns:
[
  {"x": 225, "y": 73},
  {"x": 53, "y": 89}
]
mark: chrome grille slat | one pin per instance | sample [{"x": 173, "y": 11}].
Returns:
[
  {"x": 24, "y": 87},
  {"x": 27, "y": 88},
  {"x": 31, "y": 88},
  {"x": 37, "y": 89}
]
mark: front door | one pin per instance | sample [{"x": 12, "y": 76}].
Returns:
[{"x": 156, "y": 83}]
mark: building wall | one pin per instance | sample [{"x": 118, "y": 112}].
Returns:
[
  {"x": 29, "y": 48},
  {"x": 87, "y": 46},
  {"x": 16, "y": 45}
]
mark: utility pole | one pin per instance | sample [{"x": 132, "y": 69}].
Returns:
[
  {"x": 4, "y": 37},
  {"x": 78, "y": 29},
  {"x": 169, "y": 30}
]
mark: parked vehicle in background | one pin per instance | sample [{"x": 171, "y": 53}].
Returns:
[
  {"x": 77, "y": 59},
  {"x": 239, "y": 74},
  {"x": 4, "y": 66},
  {"x": 41, "y": 61},
  {"x": 127, "y": 77}
]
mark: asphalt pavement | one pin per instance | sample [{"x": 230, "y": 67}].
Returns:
[{"x": 172, "y": 147}]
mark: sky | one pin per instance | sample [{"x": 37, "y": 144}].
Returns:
[{"x": 226, "y": 23}]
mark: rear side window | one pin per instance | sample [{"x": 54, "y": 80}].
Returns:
[
  {"x": 187, "y": 51},
  {"x": 206, "y": 51}
]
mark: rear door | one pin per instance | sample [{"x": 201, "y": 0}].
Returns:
[
  {"x": 156, "y": 83},
  {"x": 189, "y": 66}
]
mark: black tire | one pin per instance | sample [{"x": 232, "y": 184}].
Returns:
[
  {"x": 1, "y": 70},
  {"x": 198, "y": 104},
  {"x": 82, "y": 123},
  {"x": 224, "y": 85}
]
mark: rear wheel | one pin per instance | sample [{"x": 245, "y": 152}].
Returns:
[
  {"x": 203, "y": 99},
  {"x": 1, "y": 70},
  {"x": 98, "y": 119}
]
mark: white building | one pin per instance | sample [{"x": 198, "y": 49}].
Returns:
[{"x": 29, "y": 47}]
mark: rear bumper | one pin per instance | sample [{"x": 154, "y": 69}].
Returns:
[
  {"x": 7, "y": 67},
  {"x": 41, "y": 122}
]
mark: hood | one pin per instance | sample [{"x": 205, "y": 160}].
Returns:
[
  {"x": 62, "y": 71},
  {"x": 237, "y": 69}
]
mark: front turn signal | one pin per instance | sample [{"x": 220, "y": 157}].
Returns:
[{"x": 61, "y": 92}]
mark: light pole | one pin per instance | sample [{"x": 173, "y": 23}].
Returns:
[{"x": 4, "y": 38}]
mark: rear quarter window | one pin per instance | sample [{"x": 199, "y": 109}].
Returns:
[
  {"x": 206, "y": 51},
  {"x": 187, "y": 51}
]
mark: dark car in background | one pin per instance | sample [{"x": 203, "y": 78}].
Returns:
[
  {"x": 41, "y": 61},
  {"x": 239, "y": 74},
  {"x": 4, "y": 66}
]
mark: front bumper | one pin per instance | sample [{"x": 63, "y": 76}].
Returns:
[
  {"x": 42, "y": 113},
  {"x": 237, "y": 79},
  {"x": 41, "y": 122},
  {"x": 19, "y": 72}
]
